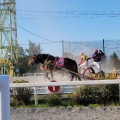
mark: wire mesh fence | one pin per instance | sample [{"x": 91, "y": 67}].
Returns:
[
  {"x": 111, "y": 49},
  {"x": 108, "y": 46}
]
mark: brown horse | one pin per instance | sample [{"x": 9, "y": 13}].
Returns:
[
  {"x": 49, "y": 63},
  {"x": 32, "y": 61}
]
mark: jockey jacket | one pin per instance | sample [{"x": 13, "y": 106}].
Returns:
[
  {"x": 83, "y": 59},
  {"x": 97, "y": 56}
]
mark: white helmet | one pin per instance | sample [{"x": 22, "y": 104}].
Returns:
[{"x": 81, "y": 53}]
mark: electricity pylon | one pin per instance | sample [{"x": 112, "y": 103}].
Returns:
[{"x": 8, "y": 37}]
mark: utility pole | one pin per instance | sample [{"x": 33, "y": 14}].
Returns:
[{"x": 8, "y": 36}]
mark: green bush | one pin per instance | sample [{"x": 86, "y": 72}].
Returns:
[
  {"x": 54, "y": 100},
  {"x": 96, "y": 94},
  {"x": 83, "y": 95},
  {"x": 21, "y": 96},
  {"x": 112, "y": 93}
]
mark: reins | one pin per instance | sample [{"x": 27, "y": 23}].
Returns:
[{"x": 74, "y": 72}]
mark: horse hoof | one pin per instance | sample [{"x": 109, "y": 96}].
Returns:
[{"x": 79, "y": 78}]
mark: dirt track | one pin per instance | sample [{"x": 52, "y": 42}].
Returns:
[{"x": 41, "y": 78}]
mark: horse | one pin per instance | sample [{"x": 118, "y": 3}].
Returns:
[
  {"x": 49, "y": 63},
  {"x": 31, "y": 61}
]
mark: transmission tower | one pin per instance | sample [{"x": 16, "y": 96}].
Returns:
[{"x": 8, "y": 37}]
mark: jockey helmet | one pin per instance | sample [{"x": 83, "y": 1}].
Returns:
[
  {"x": 95, "y": 51},
  {"x": 81, "y": 53}
]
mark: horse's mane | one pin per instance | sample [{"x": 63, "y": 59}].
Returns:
[{"x": 46, "y": 56}]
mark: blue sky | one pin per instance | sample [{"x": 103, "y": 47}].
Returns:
[{"x": 68, "y": 20}]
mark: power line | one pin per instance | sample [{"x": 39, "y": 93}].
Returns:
[
  {"x": 68, "y": 11},
  {"x": 34, "y": 34},
  {"x": 71, "y": 13},
  {"x": 44, "y": 43}
]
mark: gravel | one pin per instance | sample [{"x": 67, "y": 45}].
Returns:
[{"x": 81, "y": 113}]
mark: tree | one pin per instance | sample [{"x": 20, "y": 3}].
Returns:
[
  {"x": 33, "y": 48},
  {"x": 21, "y": 51},
  {"x": 114, "y": 56},
  {"x": 114, "y": 60},
  {"x": 22, "y": 64}
]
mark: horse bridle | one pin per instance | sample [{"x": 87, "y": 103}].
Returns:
[{"x": 35, "y": 56}]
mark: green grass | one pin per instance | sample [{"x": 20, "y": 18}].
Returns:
[{"x": 66, "y": 103}]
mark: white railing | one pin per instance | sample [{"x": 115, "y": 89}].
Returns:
[
  {"x": 4, "y": 98},
  {"x": 65, "y": 83}
]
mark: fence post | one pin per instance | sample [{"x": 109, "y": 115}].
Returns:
[
  {"x": 35, "y": 94},
  {"x": 4, "y": 98}
]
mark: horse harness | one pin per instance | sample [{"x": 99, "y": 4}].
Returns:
[{"x": 50, "y": 64}]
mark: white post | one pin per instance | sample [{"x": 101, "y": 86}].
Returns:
[
  {"x": 36, "y": 98},
  {"x": 4, "y": 98}
]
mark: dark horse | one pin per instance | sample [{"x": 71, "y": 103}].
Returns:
[{"x": 48, "y": 61}]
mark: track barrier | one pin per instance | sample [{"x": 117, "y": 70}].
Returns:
[{"x": 65, "y": 83}]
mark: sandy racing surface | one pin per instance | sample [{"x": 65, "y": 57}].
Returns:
[{"x": 41, "y": 78}]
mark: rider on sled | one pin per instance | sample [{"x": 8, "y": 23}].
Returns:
[
  {"x": 97, "y": 60},
  {"x": 83, "y": 62}
]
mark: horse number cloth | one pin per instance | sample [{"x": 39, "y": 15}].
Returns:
[{"x": 60, "y": 62}]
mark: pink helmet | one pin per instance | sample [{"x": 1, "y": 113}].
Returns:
[
  {"x": 81, "y": 53},
  {"x": 95, "y": 51}
]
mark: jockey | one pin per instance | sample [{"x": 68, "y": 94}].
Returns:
[
  {"x": 97, "y": 60},
  {"x": 83, "y": 61}
]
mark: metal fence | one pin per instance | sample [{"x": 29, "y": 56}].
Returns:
[
  {"x": 72, "y": 50},
  {"x": 74, "y": 47}
]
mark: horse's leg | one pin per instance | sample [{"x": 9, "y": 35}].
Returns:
[
  {"x": 44, "y": 75},
  {"x": 71, "y": 76},
  {"x": 44, "y": 71},
  {"x": 79, "y": 78},
  {"x": 51, "y": 72},
  {"x": 47, "y": 76}
]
